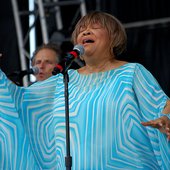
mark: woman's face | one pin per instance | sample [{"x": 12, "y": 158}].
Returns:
[{"x": 95, "y": 40}]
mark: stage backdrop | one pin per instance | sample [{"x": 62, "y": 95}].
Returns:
[{"x": 147, "y": 44}]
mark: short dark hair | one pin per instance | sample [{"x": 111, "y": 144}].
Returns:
[
  {"x": 50, "y": 46},
  {"x": 114, "y": 27}
]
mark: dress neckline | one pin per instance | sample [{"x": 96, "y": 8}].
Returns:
[{"x": 102, "y": 72}]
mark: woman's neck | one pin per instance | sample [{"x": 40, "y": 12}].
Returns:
[
  {"x": 98, "y": 67},
  {"x": 92, "y": 67}
]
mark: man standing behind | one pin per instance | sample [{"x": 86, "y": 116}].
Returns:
[{"x": 45, "y": 58}]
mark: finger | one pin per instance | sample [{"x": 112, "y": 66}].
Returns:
[
  {"x": 162, "y": 129},
  {"x": 168, "y": 137},
  {"x": 168, "y": 126},
  {"x": 159, "y": 126},
  {"x": 149, "y": 123},
  {"x": 152, "y": 123},
  {"x": 167, "y": 130}
]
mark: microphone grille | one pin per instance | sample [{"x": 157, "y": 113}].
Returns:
[
  {"x": 35, "y": 70},
  {"x": 79, "y": 48}
]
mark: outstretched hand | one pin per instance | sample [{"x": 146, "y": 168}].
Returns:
[{"x": 162, "y": 123}]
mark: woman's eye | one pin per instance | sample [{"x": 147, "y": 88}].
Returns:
[{"x": 82, "y": 29}]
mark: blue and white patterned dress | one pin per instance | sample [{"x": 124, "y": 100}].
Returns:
[{"x": 105, "y": 113}]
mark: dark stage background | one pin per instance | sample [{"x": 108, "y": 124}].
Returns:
[{"x": 148, "y": 39}]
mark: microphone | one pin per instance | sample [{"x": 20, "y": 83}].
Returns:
[
  {"x": 34, "y": 70},
  {"x": 64, "y": 65}
]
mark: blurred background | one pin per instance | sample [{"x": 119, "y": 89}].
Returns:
[{"x": 26, "y": 24}]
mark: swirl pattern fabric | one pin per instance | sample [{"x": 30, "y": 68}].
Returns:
[
  {"x": 15, "y": 150},
  {"x": 105, "y": 112}
]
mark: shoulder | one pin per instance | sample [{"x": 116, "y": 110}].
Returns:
[
  {"x": 131, "y": 66},
  {"x": 141, "y": 69},
  {"x": 136, "y": 70},
  {"x": 128, "y": 65},
  {"x": 135, "y": 67}
]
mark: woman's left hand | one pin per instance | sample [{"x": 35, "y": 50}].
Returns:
[{"x": 162, "y": 123}]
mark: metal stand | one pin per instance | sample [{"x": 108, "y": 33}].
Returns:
[
  {"x": 41, "y": 5},
  {"x": 68, "y": 158},
  {"x": 20, "y": 38}
]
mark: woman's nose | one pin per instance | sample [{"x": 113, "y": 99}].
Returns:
[{"x": 86, "y": 32}]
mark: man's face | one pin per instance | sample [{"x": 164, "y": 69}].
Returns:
[{"x": 45, "y": 60}]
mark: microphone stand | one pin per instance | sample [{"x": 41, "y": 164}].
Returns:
[
  {"x": 63, "y": 68},
  {"x": 68, "y": 158}
]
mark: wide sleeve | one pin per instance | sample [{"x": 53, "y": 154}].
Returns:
[
  {"x": 15, "y": 151},
  {"x": 11, "y": 94},
  {"x": 38, "y": 117},
  {"x": 151, "y": 98},
  {"x": 151, "y": 101}
]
